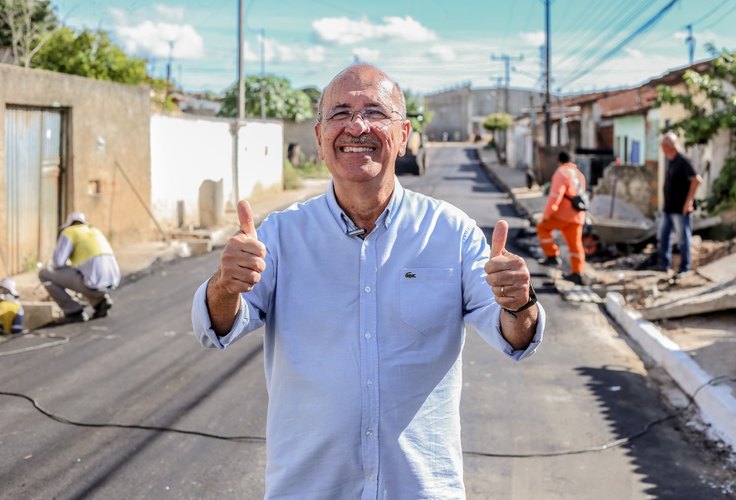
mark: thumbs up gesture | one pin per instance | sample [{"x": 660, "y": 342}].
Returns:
[
  {"x": 242, "y": 260},
  {"x": 507, "y": 273}
]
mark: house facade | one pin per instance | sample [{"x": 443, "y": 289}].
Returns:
[
  {"x": 625, "y": 123},
  {"x": 69, "y": 143}
]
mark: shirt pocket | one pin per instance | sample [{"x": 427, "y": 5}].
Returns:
[{"x": 427, "y": 298}]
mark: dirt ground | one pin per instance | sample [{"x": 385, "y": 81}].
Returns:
[
  {"x": 642, "y": 287},
  {"x": 709, "y": 338}
]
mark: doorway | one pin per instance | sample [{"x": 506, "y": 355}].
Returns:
[{"x": 35, "y": 153}]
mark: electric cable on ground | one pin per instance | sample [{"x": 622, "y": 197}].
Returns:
[{"x": 260, "y": 439}]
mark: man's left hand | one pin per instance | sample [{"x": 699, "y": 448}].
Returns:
[{"x": 508, "y": 275}]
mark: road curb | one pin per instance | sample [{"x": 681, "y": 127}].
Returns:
[
  {"x": 519, "y": 206},
  {"x": 716, "y": 403}
]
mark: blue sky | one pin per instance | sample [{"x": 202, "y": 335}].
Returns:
[{"x": 426, "y": 45}]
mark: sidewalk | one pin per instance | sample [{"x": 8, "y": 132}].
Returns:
[{"x": 691, "y": 355}]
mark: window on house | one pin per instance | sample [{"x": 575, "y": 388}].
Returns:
[{"x": 635, "y": 152}]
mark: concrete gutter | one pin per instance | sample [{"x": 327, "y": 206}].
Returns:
[{"x": 717, "y": 404}]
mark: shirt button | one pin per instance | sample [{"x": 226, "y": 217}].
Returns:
[
  {"x": 369, "y": 433},
  {"x": 367, "y": 335},
  {"x": 369, "y": 383},
  {"x": 367, "y": 289}
]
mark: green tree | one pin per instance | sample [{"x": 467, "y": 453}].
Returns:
[
  {"x": 314, "y": 94},
  {"x": 497, "y": 121},
  {"x": 25, "y": 26},
  {"x": 497, "y": 124},
  {"x": 415, "y": 111},
  {"x": 281, "y": 101},
  {"x": 91, "y": 54},
  {"x": 710, "y": 101}
]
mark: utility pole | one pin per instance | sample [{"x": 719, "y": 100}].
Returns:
[
  {"x": 507, "y": 66},
  {"x": 263, "y": 73},
  {"x": 499, "y": 82},
  {"x": 235, "y": 127},
  {"x": 241, "y": 59},
  {"x": 547, "y": 123},
  {"x": 531, "y": 176},
  {"x": 168, "y": 64},
  {"x": 690, "y": 41}
]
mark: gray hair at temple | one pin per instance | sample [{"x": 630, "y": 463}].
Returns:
[{"x": 396, "y": 88}]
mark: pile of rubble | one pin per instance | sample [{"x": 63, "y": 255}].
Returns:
[{"x": 709, "y": 287}]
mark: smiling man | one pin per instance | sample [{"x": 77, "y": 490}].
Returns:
[{"x": 365, "y": 292}]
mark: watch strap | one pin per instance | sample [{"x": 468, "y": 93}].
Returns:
[{"x": 530, "y": 303}]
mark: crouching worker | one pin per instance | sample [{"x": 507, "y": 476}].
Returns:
[
  {"x": 11, "y": 311},
  {"x": 83, "y": 261}
]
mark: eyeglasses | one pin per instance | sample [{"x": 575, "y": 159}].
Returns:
[{"x": 370, "y": 116}]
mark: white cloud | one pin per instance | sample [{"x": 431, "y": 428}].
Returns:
[
  {"x": 636, "y": 54},
  {"x": 153, "y": 39},
  {"x": 367, "y": 55},
  {"x": 168, "y": 12},
  {"x": 275, "y": 51},
  {"x": 119, "y": 16},
  {"x": 442, "y": 53},
  {"x": 345, "y": 31},
  {"x": 535, "y": 38}
]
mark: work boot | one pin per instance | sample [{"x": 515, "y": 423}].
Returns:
[
  {"x": 77, "y": 317},
  {"x": 576, "y": 278},
  {"x": 552, "y": 261},
  {"x": 102, "y": 308}
]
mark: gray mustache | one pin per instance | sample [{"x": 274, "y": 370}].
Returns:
[{"x": 363, "y": 140}]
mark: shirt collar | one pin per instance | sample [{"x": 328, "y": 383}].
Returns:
[{"x": 386, "y": 217}]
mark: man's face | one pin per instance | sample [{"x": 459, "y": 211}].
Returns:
[
  {"x": 668, "y": 149},
  {"x": 361, "y": 131}
]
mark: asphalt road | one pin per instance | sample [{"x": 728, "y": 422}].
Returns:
[{"x": 531, "y": 430}]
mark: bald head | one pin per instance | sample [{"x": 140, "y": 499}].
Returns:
[
  {"x": 367, "y": 75},
  {"x": 670, "y": 139},
  {"x": 669, "y": 144}
]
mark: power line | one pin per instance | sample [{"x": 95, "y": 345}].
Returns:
[
  {"x": 711, "y": 12},
  {"x": 573, "y": 38},
  {"x": 720, "y": 19},
  {"x": 599, "y": 41},
  {"x": 644, "y": 27}
]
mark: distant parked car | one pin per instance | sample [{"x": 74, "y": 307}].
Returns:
[{"x": 415, "y": 159}]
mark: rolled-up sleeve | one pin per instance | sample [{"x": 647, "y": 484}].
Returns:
[
  {"x": 203, "y": 326},
  {"x": 482, "y": 312}
]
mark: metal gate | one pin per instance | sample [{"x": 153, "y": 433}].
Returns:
[{"x": 33, "y": 152}]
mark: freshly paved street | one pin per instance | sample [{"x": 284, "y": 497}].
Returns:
[{"x": 552, "y": 427}]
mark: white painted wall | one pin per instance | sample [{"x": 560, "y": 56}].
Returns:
[
  {"x": 186, "y": 151},
  {"x": 261, "y": 158}
]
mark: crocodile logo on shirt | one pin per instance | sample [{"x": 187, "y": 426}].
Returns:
[{"x": 410, "y": 275}]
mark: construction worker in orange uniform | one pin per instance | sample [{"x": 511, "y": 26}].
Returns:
[{"x": 559, "y": 214}]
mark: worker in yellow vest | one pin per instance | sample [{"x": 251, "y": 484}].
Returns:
[
  {"x": 11, "y": 311},
  {"x": 83, "y": 261}
]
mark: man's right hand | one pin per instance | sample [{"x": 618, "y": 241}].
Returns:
[{"x": 241, "y": 264}]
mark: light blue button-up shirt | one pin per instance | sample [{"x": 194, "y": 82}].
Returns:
[{"x": 363, "y": 346}]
